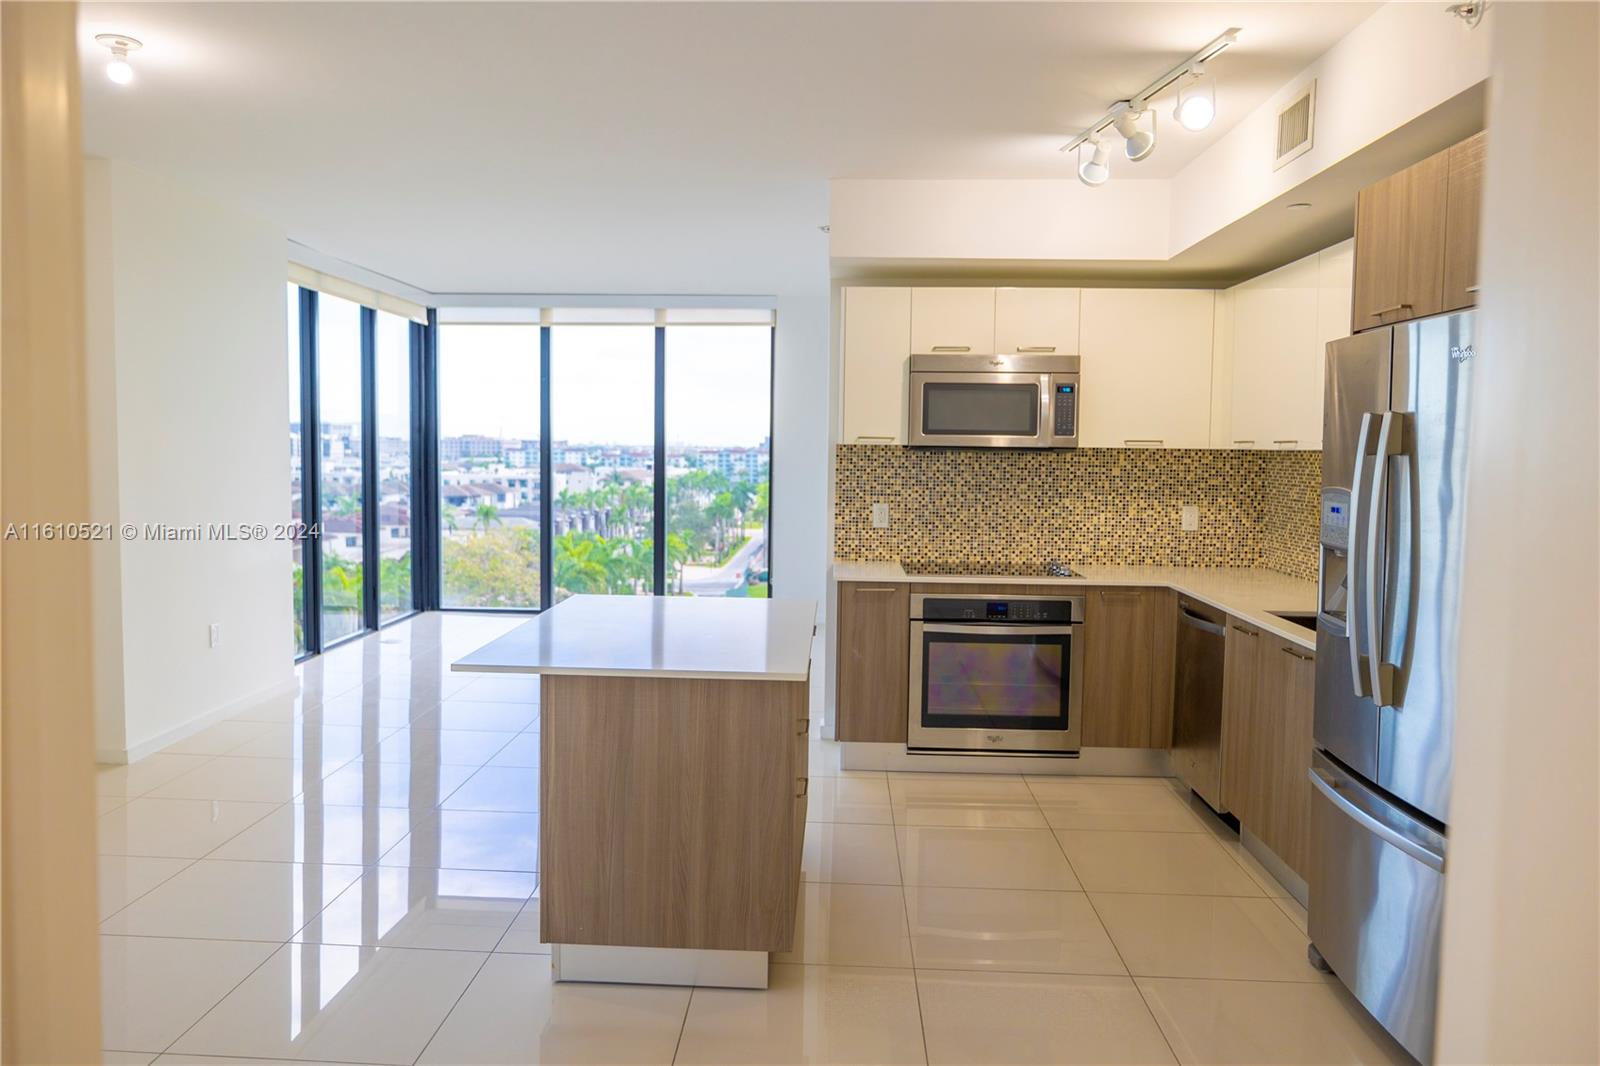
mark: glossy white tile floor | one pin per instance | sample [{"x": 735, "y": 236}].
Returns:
[{"x": 351, "y": 875}]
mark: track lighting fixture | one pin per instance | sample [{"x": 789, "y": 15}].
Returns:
[
  {"x": 119, "y": 69},
  {"x": 1194, "y": 109},
  {"x": 1136, "y": 142},
  {"x": 1197, "y": 100},
  {"x": 1096, "y": 169}
]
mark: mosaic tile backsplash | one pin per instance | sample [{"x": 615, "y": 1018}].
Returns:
[{"x": 965, "y": 509}]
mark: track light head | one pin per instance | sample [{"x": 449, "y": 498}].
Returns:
[
  {"x": 1096, "y": 169},
  {"x": 1197, "y": 100},
  {"x": 1137, "y": 143}
]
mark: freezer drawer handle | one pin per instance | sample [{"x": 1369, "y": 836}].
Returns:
[{"x": 1427, "y": 856}]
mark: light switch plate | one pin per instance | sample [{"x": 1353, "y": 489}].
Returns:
[
  {"x": 1191, "y": 518},
  {"x": 880, "y": 516},
  {"x": 214, "y": 634}
]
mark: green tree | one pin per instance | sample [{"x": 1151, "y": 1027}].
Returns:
[
  {"x": 484, "y": 516},
  {"x": 494, "y": 568}
]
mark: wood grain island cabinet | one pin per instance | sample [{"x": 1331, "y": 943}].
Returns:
[{"x": 673, "y": 781}]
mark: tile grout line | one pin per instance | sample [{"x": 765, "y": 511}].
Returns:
[
  {"x": 465, "y": 988},
  {"x": 688, "y": 1004},
  {"x": 1112, "y": 941},
  {"x": 911, "y": 946}
]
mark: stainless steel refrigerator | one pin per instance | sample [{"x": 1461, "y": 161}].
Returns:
[{"x": 1393, "y": 479}]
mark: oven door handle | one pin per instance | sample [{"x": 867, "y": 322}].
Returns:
[{"x": 995, "y": 628}]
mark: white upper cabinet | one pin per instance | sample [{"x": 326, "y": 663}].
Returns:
[
  {"x": 1036, "y": 321},
  {"x": 1146, "y": 371},
  {"x": 877, "y": 343},
  {"x": 1282, "y": 323},
  {"x": 952, "y": 321}
]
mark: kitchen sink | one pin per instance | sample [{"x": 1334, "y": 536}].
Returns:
[{"x": 1303, "y": 619}]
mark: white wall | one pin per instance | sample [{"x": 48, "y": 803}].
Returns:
[
  {"x": 1404, "y": 61},
  {"x": 999, "y": 219},
  {"x": 1519, "y": 980},
  {"x": 187, "y": 343}
]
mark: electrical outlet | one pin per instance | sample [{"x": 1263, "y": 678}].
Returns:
[
  {"x": 215, "y": 634},
  {"x": 880, "y": 516},
  {"x": 1191, "y": 517}
]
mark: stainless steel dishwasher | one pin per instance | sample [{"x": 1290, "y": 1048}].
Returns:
[{"x": 1197, "y": 701}]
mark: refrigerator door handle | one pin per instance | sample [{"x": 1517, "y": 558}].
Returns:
[
  {"x": 1357, "y": 553},
  {"x": 1391, "y": 431},
  {"x": 1334, "y": 791}
]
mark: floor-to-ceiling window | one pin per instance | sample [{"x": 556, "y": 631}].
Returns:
[
  {"x": 353, "y": 449},
  {"x": 392, "y": 389},
  {"x": 489, "y": 464},
  {"x": 572, "y": 441},
  {"x": 718, "y": 430},
  {"x": 343, "y": 484},
  {"x": 602, "y": 440}
]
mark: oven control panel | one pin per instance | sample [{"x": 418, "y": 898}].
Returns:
[{"x": 1012, "y": 609}]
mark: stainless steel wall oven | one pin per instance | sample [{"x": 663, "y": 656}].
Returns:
[{"x": 995, "y": 673}]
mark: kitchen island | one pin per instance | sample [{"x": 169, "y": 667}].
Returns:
[{"x": 672, "y": 782}]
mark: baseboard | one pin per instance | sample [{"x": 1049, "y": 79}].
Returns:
[
  {"x": 118, "y": 756},
  {"x": 1293, "y": 882},
  {"x": 1091, "y": 762}
]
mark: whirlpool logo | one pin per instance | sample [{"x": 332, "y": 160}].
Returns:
[{"x": 1461, "y": 352}]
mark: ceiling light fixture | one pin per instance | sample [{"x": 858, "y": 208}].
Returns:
[
  {"x": 1197, "y": 100},
  {"x": 1197, "y": 103},
  {"x": 1096, "y": 169},
  {"x": 119, "y": 69},
  {"x": 1137, "y": 143}
]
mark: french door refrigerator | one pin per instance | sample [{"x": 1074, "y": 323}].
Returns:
[{"x": 1395, "y": 417}]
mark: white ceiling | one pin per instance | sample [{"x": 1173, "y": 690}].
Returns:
[{"x": 654, "y": 147}]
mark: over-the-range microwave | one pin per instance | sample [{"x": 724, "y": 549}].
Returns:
[{"x": 993, "y": 401}]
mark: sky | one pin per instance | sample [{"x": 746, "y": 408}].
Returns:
[{"x": 718, "y": 383}]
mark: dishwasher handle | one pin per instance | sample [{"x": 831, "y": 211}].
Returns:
[{"x": 1190, "y": 618}]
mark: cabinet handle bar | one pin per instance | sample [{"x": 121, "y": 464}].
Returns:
[{"x": 1389, "y": 310}]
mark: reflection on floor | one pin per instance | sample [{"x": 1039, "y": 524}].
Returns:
[{"x": 350, "y": 875}]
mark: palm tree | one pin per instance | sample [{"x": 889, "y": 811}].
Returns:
[
  {"x": 580, "y": 563},
  {"x": 484, "y": 516}
]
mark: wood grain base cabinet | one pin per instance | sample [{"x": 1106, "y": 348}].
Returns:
[
  {"x": 873, "y": 647},
  {"x": 1267, "y": 705},
  {"x": 672, "y": 811},
  {"x": 1127, "y": 694}
]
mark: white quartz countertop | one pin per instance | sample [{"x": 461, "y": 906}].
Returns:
[
  {"x": 1250, "y": 594},
  {"x": 658, "y": 636}
]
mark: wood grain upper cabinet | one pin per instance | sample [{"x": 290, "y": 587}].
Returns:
[
  {"x": 874, "y": 632},
  {"x": 1146, "y": 369},
  {"x": 1036, "y": 321},
  {"x": 952, "y": 321},
  {"x": 1463, "y": 204},
  {"x": 1400, "y": 240},
  {"x": 1119, "y": 668},
  {"x": 876, "y": 341}
]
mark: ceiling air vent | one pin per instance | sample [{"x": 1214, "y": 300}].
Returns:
[{"x": 1295, "y": 126}]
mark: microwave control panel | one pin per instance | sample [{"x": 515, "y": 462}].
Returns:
[{"x": 1066, "y": 410}]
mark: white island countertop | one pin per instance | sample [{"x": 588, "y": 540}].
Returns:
[
  {"x": 1253, "y": 594},
  {"x": 658, "y": 636}
]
